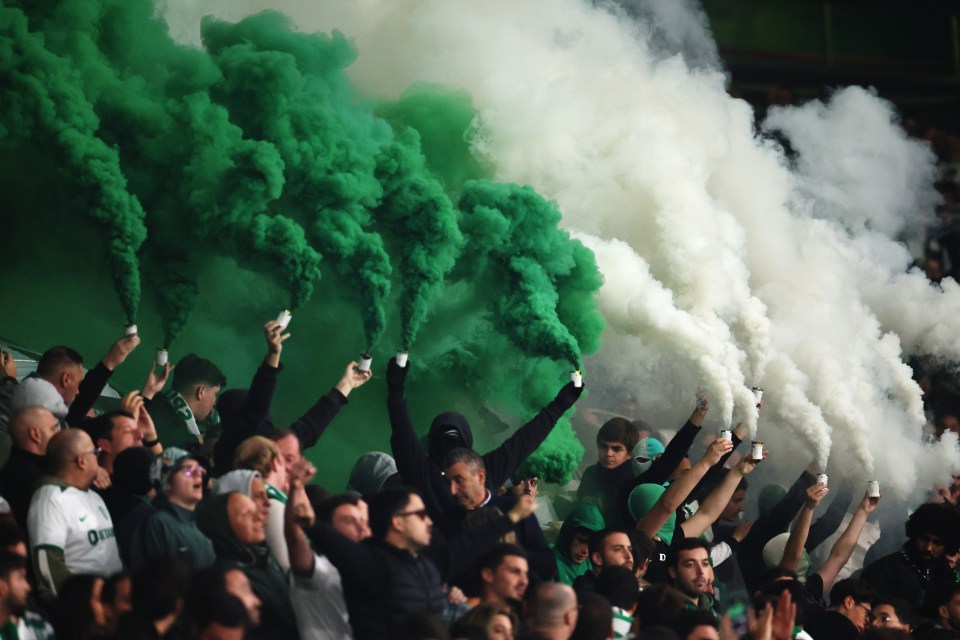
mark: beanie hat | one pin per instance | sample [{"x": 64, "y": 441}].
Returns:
[
  {"x": 34, "y": 391},
  {"x": 136, "y": 471}
]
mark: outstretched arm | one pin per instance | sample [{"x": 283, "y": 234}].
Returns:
[
  {"x": 801, "y": 527},
  {"x": 299, "y": 513},
  {"x": 677, "y": 448},
  {"x": 677, "y": 492},
  {"x": 846, "y": 543},
  {"x": 713, "y": 506},
  {"x": 311, "y": 425},
  {"x": 96, "y": 379}
]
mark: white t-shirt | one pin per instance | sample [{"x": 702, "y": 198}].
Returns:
[
  {"x": 318, "y": 603},
  {"x": 76, "y": 522}
]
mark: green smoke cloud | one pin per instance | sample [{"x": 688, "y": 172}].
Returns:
[{"x": 224, "y": 175}]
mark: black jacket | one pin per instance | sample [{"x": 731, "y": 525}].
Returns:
[
  {"x": 382, "y": 584},
  {"x": 246, "y": 412},
  {"x": 901, "y": 575},
  {"x": 18, "y": 479}
]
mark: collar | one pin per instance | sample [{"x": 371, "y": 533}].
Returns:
[{"x": 275, "y": 494}]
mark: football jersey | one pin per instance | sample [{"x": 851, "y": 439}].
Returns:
[{"x": 76, "y": 522}]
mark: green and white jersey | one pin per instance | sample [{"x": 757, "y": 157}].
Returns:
[{"x": 76, "y": 523}]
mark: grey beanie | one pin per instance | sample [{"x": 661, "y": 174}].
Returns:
[{"x": 34, "y": 391}]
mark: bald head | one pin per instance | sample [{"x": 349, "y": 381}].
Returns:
[
  {"x": 32, "y": 427},
  {"x": 71, "y": 455},
  {"x": 554, "y": 605}
]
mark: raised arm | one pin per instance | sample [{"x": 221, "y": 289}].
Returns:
[
  {"x": 96, "y": 379},
  {"x": 298, "y": 515},
  {"x": 677, "y": 492},
  {"x": 311, "y": 425},
  {"x": 677, "y": 448},
  {"x": 713, "y": 506},
  {"x": 801, "y": 527},
  {"x": 846, "y": 543}
]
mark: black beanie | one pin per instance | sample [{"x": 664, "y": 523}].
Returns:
[{"x": 133, "y": 471}]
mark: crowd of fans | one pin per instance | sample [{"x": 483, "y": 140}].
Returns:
[{"x": 188, "y": 513}]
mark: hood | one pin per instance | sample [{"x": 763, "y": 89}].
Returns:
[
  {"x": 35, "y": 391},
  {"x": 213, "y": 522},
  {"x": 641, "y": 501},
  {"x": 773, "y": 554},
  {"x": 439, "y": 443},
  {"x": 229, "y": 405},
  {"x": 644, "y": 453},
  {"x": 370, "y": 472},
  {"x": 584, "y": 515},
  {"x": 238, "y": 480}
]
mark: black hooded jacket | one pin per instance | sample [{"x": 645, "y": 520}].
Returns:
[{"x": 246, "y": 412}]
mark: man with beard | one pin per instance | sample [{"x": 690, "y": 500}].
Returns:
[
  {"x": 692, "y": 573},
  {"x": 920, "y": 567},
  {"x": 503, "y": 574},
  {"x": 15, "y": 620}
]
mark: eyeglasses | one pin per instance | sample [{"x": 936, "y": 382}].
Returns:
[
  {"x": 194, "y": 471},
  {"x": 420, "y": 513},
  {"x": 866, "y": 610}
]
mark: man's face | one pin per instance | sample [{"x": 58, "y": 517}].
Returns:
[
  {"x": 612, "y": 454},
  {"x": 70, "y": 381},
  {"x": 245, "y": 519},
  {"x": 929, "y": 547},
  {"x": 120, "y": 605},
  {"x": 693, "y": 573},
  {"x": 508, "y": 581},
  {"x": 206, "y": 401},
  {"x": 857, "y": 612},
  {"x": 47, "y": 426},
  {"x": 885, "y": 616},
  {"x": 949, "y": 614},
  {"x": 580, "y": 546},
  {"x": 734, "y": 508},
  {"x": 414, "y": 524},
  {"x": 185, "y": 486},
  {"x": 125, "y": 434},
  {"x": 89, "y": 454},
  {"x": 237, "y": 583},
  {"x": 258, "y": 493},
  {"x": 616, "y": 552},
  {"x": 349, "y": 520},
  {"x": 703, "y": 632},
  {"x": 289, "y": 450},
  {"x": 466, "y": 484},
  {"x": 18, "y": 588},
  {"x": 527, "y": 487}
]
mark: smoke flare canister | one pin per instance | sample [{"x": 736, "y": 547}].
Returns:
[
  {"x": 757, "y": 450},
  {"x": 284, "y": 319},
  {"x": 131, "y": 330},
  {"x": 162, "y": 357},
  {"x": 822, "y": 478},
  {"x": 401, "y": 359},
  {"x": 726, "y": 434},
  {"x": 873, "y": 489},
  {"x": 365, "y": 361},
  {"x": 576, "y": 378},
  {"x": 758, "y": 395}
]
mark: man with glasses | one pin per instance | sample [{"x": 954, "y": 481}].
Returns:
[
  {"x": 172, "y": 531},
  {"x": 397, "y": 572},
  {"x": 70, "y": 528},
  {"x": 849, "y": 613}
]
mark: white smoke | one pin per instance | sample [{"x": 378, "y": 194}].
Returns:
[{"x": 726, "y": 262}]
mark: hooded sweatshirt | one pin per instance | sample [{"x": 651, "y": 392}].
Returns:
[
  {"x": 369, "y": 473},
  {"x": 267, "y": 580},
  {"x": 583, "y": 516}
]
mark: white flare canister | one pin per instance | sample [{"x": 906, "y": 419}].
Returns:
[
  {"x": 756, "y": 450},
  {"x": 130, "y": 330},
  {"x": 822, "y": 478},
  {"x": 284, "y": 318},
  {"x": 401, "y": 359},
  {"x": 162, "y": 357},
  {"x": 576, "y": 378},
  {"x": 365, "y": 361},
  {"x": 727, "y": 434},
  {"x": 873, "y": 489},
  {"x": 758, "y": 395}
]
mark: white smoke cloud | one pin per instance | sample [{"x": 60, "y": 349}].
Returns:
[{"x": 726, "y": 263}]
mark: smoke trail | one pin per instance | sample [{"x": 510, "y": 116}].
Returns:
[
  {"x": 45, "y": 104},
  {"x": 512, "y": 239}
]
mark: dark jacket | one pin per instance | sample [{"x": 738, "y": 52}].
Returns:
[
  {"x": 172, "y": 532},
  {"x": 424, "y": 469},
  {"x": 18, "y": 479},
  {"x": 903, "y": 576},
  {"x": 266, "y": 578},
  {"x": 246, "y": 412},
  {"x": 87, "y": 394},
  {"x": 128, "y": 512},
  {"x": 382, "y": 584}
]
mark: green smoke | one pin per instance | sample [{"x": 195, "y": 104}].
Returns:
[
  {"x": 222, "y": 176},
  {"x": 514, "y": 240}
]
